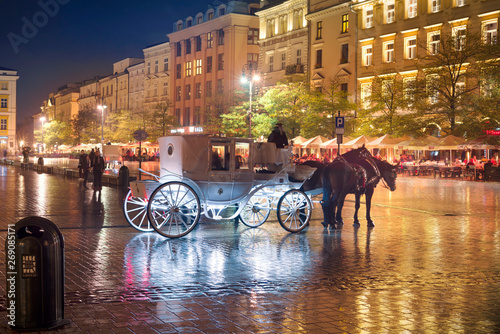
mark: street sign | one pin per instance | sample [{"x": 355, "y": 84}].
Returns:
[
  {"x": 339, "y": 131},
  {"x": 140, "y": 135},
  {"x": 339, "y": 139},
  {"x": 339, "y": 122}
]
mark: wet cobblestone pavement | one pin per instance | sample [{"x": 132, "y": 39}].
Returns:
[{"x": 431, "y": 264}]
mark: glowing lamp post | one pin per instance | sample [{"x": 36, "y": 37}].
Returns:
[
  {"x": 103, "y": 110},
  {"x": 250, "y": 79},
  {"x": 42, "y": 119}
]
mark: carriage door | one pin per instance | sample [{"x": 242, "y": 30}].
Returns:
[
  {"x": 220, "y": 181},
  {"x": 243, "y": 171}
]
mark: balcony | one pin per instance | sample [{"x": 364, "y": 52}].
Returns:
[{"x": 294, "y": 69}]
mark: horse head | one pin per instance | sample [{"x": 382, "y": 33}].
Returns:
[
  {"x": 389, "y": 173},
  {"x": 358, "y": 153}
]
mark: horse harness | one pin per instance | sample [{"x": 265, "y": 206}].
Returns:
[{"x": 361, "y": 175}]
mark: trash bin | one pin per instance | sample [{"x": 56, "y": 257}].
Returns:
[
  {"x": 123, "y": 176},
  {"x": 40, "y": 161},
  {"x": 34, "y": 251}
]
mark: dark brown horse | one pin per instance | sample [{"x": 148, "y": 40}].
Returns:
[{"x": 355, "y": 172}]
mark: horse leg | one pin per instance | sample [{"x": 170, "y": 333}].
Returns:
[
  {"x": 338, "y": 216},
  {"x": 356, "y": 209},
  {"x": 368, "y": 196},
  {"x": 326, "y": 204}
]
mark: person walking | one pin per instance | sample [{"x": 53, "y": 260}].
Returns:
[
  {"x": 278, "y": 136},
  {"x": 84, "y": 165},
  {"x": 98, "y": 168},
  {"x": 91, "y": 157}
]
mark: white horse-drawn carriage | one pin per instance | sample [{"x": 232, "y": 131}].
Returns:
[{"x": 221, "y": 178}]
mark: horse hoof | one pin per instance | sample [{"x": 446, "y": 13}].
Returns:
[
  {"x": 356, "y": 224},
  {"x": 370, "y": 224},
  {"x": 333, "y": 227},
  {"x": 325, "y": 225}
]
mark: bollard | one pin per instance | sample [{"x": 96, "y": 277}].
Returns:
[
  {"x": 123, "y": 176},
  {"x": 34, "y": 250},
  {"x": 40, "y": 161}
]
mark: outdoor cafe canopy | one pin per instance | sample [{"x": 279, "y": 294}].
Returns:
[
  {"x": 314, "y": 142},
  {"x": 332, "y": 143},
  {"x": 357, "y": 142}
]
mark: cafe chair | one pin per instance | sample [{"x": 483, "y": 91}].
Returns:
[{"x": 470, "y": 172}]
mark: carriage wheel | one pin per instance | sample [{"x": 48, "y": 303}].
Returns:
[
  {"x": 294, "y": 210},
  {"x": 174, "y": 209},
  {"x": 256, "y": 210},
  {"x": 136, "y": 213}
]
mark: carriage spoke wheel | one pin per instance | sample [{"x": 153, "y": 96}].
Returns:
[
  {"x": 294, "y": 210},
  {"x": 136, "y": 212},
  {"x": 174, "y": 209},
  {"x": 256, "y": 210}
]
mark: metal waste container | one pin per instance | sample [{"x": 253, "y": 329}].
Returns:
[
  {"x": 123, "y": 176},
  {"x": 34, "y": 250},
  {"x": 40, "y": 161}
]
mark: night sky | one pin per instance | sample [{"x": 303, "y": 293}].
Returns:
[{"x": 79, "y": 40}]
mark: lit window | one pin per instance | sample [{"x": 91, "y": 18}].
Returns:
[
  {"x": 270, "y": 28},
  {"x": 299, "y": 56},
  {"x": 345, "y": 23},
  {"x": 389, "y": 52},
  {"x": 210, "y": 15},
  {"x": 319, "y": 29},
  {"x": 432, "y": 91},
  {"x": 369, "y": 17},
  {"x": 409, "y": 90},
  {"x": 461, "y": 3},
  {"x": 490, "y": 31},
  {"x": 189, "y": 69},
  {"x": 433, "y": 40},
  {"x": 367, "y": 55},
  {"x": 458, "y": 34},
  {"x": 198, "y": 66},
  {"x": 199, "y": 19},
  {"x": 411, "y": 47},
  {"x": 210, "y": 40},
  {"x": 435, "y": 6},
  {"x": 253, "y": 36},
  {"x": 366, "y": 92},
  {"x": 412, "y": 8},
  {"x": 390, "y": 11}
]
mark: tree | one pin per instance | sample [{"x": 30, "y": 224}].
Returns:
[
  {"x": 450, "y": 80},
  {"x": 84, "y": 126},
  {"x": 162, "y": 121},
  {"x": 55, "y": 133},
  {"x": 218, "y": 105}
]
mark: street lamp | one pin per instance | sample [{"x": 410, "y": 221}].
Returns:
[
  {"x": 42, "y": 119},
  {"x": 102, "y": 109},
  {"x": 252, "y": 77}
]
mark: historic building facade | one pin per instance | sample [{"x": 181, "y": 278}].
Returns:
[
  {"x": 136, "y": 86},
  {"x": 8, "y": 111},
  {"x": 332, "y": 36},
  {"x": 157, "y": 74},
  {"x": 208, "y": 55},
  {"x": 283, "y": 39}
]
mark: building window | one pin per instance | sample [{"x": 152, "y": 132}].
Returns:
[
  {"x": 3, "y": 124},
  {"x": 220, "y": 86},
  {"x": 197, "y": 92},
  {"x": 178, "y": 50},
  {"x": 253, "y": 36},
  {"x": 156, "y": 66},
  {"x": 178, "y": 115},
  {"x": 460, "y": 3},
  {"x": 409, "y": 90},
  {"x": 319, "y": 29},
  {"x": 253, "y": 60},
  {"x": 411, "y": 8},
  {"x": 220, "y": 34},
  {"x": 344, "y": 54},
  {"x": 490, "y": 32},
  {"x": 366, "y": 92},
  {"x": 189, "y": 69},
  {"x": 220, "y": 62},
  {"x": 189, "y": 23},
  {"x": 198, "y": 43},
  {"x": 165, "y": 88},
  {"x": 459, "y": 89},
  {"x": 198, "y": 66},
  {"x": 222, "y": 11},
  {"x": 283, "y": 61},
  {"x": 299, "y": 56},
  {"x": 458, "y": 34},
  {"x": 369, "y": 17},
  {"x": 178, "y": 70},
  {"x": 388, "y": 51},
  {"x": 210, "y": 15},
  {"x": 433, "y": 40},
  {"x": 149, "y": 68},
  {"x": 209, "y": 64},
  {"x": 270, "y": 28},
  {"x": 319, "y": 58},
  {"x": 271, "y": 63},
  {"x": 390, "y": 11},
  {"x": 187, "y": 116},
  {"x": 178, "y": 93},
  {"x": 165, "y": 65},
  {"x": 3, "y": 102},
  {"x": 4, "y": 85},
  {"x": 298, "y": 20},
  {"x": 199, "y": 19},
  {"x": 179, "y": 26},
  {"x": 345, "y": 23},
  {"x": 208, "y": 89},
  {"x": 155, "y": 90},
  {"x": 432, "y": 91},
  {"x": 188, "y": 46},
  {"x": 411, "y": 47},
  {"x": 344, "y": 89},
  {"x": 435, "y": 6},
  {"x": 187, "y": 92},
  {"x": 197, "y": 116},
  {"x": 210, "y": 40},
  {"x": 367, "y": 55}
]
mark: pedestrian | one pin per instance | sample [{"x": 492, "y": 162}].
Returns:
[
  {"x": 84, "y": 165},
  {"x": 5, "y": 154},
  {"x": 278, "y": 136},
  {"x": 98, "y": 168},
  {"x": 91, "y": 157}
]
